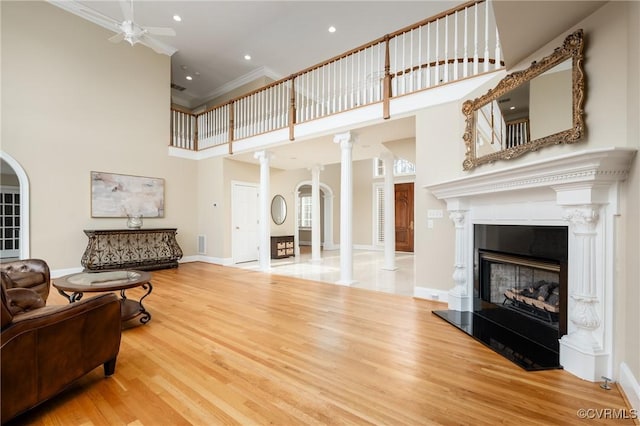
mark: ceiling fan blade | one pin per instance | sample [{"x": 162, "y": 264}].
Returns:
[
  {"x": 117, "y": 38},
  {"x": 158, "y": 46},
  {"x": 127, "y": 10},
  {"x": 160, "y": 31}
]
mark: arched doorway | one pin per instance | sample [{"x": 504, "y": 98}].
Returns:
[
  {"x": 14, "y": 203},
  {"x": 326, "y": 215}
]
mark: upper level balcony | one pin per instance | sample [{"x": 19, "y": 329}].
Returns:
[{"x": 370, "y": 80}]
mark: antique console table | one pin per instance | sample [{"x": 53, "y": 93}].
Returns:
[{"x": 143, "y": 249}]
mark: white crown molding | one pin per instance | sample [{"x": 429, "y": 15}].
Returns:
[
  {"x": 605, "y": 165},
  {"x": 107, "y": 22},
  {"x": 241, "y": 81}
]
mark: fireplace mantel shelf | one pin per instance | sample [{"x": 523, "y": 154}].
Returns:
[{"x": 595, "y": 166}]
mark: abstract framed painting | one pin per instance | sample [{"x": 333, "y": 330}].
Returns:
[{"x": 116, "y": 195}]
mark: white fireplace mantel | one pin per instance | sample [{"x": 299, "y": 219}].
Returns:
[
  {"x": 603, "y": 166},
  {"x": 578, "y": 190}
]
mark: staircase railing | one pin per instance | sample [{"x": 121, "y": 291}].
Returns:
[{"x": 459, "y": 43}]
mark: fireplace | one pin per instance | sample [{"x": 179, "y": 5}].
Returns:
[
  {"x": 575, "y": 195},
  {"x": 520, "y": 293}
]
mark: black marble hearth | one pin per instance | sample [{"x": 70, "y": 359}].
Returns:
[{"x": 515, "y": 344}]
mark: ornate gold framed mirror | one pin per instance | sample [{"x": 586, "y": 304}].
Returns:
[{"x": 529, "y": 109}]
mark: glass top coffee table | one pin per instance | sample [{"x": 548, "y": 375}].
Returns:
[{"x": 75, "y": 285}]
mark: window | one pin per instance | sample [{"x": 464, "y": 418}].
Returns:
[
  {"x": 304, "y": 207},
  {"x": 400, "y": 167}
]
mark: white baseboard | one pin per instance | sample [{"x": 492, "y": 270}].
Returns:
[
  {"x": 225, "y": 261},
  {"x": 431, "y": 294},
  {"x": 367, "y": 247},
  {"x": 630, "y": 386}
]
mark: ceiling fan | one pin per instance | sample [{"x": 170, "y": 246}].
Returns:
[{"x": 127, "y": 29}]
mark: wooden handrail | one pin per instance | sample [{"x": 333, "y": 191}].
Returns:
[{"x": 442, "y": 62}]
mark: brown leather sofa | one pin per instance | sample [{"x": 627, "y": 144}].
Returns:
[
  {"x": 28, "y": 273},
  {"x": 45, "y": 348}
]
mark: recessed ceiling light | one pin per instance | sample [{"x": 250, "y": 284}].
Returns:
[
  {"x": 247, "y": 57},
  {"x": 332, "y": 29},
  {"x": 512, "y": 108},
  {"x": 189, "y": 78},
  {"x": 184, "y": 67},
  {"x": 177, "y": 18}
]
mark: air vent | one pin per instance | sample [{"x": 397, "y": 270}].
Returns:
[
  {"x": 202, "y": 244},
  {"x": 500, "y": 101},
  {"x": 178, "y": 88}
]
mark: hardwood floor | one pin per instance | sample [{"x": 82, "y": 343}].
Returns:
[{"x": 231, "y": 346}]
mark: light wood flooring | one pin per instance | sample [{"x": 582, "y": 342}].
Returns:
[{"x": 233, "y": 346}]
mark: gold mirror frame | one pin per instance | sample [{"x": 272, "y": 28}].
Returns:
[{"x": 572, "y": 48}]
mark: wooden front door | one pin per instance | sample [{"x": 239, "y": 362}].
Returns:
[{"x": 404, "y": 216}]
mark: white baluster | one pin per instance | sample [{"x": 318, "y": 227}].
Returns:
[
  {"x": 465, "y": 54},
  {"x": 498, "y": 53},
  {"x": 456, "y": 53},
  {"x": 475, "y": 41},
  {"x": 420, "y": 86},
  {"x": 428, "y": 55},
  {"x": 437, "y": 70},
  {"x": 446, "y": 49},
  {"x": 486, "y": 36}
]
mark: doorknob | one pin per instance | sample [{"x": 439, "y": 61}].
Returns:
[{"x": 411, "y": 225}]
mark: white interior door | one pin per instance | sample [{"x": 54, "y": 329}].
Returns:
[{"x": 245, "y": 217}]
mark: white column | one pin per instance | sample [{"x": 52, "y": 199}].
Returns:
[
  {"x": 264, "y": 247},
  {"x": 328, "y": 221},
  {"x": 346, "y": 208},
  {"x": 581, "y": 351},
  {"x": 389, "y": 213},
  {"x": 296, "y": 215},
  {"x": 459, "y": 295},
  {"x": 316, "y": 257}
]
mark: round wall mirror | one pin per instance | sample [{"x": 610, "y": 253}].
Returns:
[{"x": 278, "y": 209}]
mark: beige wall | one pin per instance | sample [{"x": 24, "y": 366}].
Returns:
[
  {"x": 628, "y": 298},
  {"x": 439, "y": 151},
  {"x": 71, "y": 103}
]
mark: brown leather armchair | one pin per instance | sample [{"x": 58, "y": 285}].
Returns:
[
  {"x": 45, "y": 348},
  {"x": 28, "y": 273}
]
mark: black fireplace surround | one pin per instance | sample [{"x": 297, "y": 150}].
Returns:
[{"x": 519, "y": 293}]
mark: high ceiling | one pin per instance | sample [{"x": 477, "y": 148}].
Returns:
[{"x": 282, "y": 37}]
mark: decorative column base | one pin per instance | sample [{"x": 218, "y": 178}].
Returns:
[
  {"x": 459, "y": 302},
  {"x": 588, "y": 364},
  {"x": 346, "y": 283}
]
